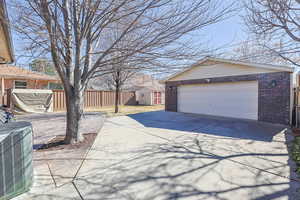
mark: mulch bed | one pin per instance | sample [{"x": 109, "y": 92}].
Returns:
[
  {"x": 58, "y": 143},
  {"x": 296, "y": 132}
]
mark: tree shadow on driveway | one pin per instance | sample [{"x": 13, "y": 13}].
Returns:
[
  {"x": 229, "y": 127},
  {"x": 171, "y": 170}
]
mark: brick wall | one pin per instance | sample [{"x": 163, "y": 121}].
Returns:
[
  {"x": 274, "y": 101},
  {"x": 171, "y": 98},
  {"x": 273, "y": 94},
  {"x": 31, "y": 84}
]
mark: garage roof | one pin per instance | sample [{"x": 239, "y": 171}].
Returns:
[{"x": 235, "y": 62}]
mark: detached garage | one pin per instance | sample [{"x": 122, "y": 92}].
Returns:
[{"x": 228, "y": 88}]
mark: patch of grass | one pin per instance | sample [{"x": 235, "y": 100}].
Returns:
[
  {"x": 126, "y": 110},
  {"x": 295, "y": 153}
]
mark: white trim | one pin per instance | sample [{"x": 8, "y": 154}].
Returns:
[
  {"x": 257, "y": 65},
  {"x": 44, "y": 91}
]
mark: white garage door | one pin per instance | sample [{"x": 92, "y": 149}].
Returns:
[{"x": 238, "y": 99}]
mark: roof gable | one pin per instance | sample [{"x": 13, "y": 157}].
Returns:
[{"x": 215, "y": 67}]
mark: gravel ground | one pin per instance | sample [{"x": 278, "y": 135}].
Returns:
[{"x": 48, "y": 125}]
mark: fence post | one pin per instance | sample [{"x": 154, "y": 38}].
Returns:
[
  {"x": 9, "y": 99},
  {"x": 101, "y": 98},
  {"x": 296, "y": 106},
  {"x": 121, "y": 98}
]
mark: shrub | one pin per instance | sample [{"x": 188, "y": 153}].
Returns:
[{"x": 295, "y": 152}]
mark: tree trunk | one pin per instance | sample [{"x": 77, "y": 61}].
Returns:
[
  {"x": 117, "y": 99},
  {"x": 74, "y": 104}
]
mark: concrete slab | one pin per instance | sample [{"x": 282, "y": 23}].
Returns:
[
  {"x": 64, "y": 164},
  {"x": 48, "y": 125},
  {"x": 163, "y": 155},
  {"x": 54, "y": 170},
  {"x": 228, "y": 127},
  {"x": 44, "y": 186}
]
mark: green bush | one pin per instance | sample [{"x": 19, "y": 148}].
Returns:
[{"x": 295, "y": 152}]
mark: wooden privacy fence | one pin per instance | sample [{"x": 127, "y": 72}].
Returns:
[
  {"x": 94, "y": 99},
  {"x": 3, "y": 99},
  {"x": 296, "y": 108}
]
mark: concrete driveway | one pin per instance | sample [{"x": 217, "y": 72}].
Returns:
[{"x": 164, "y": 155}]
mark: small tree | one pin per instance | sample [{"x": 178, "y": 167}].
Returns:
[
  {"x": 124, "y": 68},
  {"x": 77, "y": 36},
  {"x": 116, "y": 80}
]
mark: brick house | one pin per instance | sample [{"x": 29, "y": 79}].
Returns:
[
  {"x": 229, "y": 88},
  {"x": 16, "y": 77}
]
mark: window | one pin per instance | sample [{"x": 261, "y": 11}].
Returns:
[
  {"x": 55, "y": 86},
  {"x": 20, "y": 84}
]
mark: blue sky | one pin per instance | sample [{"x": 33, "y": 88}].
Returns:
[{"x": 230, "y": 31}]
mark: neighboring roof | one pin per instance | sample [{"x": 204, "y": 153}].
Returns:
[
  {"x": 150, "y": 88},
  {"x": 143, "y": 81},
  {"x": 13, "y": 72},
  {"x": 7, "y": 55},
  {"x": 134, "y": 83},
  {"x": 222, "y": 60}
]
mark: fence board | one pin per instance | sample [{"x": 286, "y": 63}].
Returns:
[
  {"x": 94, "y": 99},
  {"x": 5, "y": 98}
]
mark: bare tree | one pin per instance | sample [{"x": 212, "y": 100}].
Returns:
[
  {"x": 124, "y": 68},
  {"x": 77, "y": 35},
  {"x": 117, "y": 79},
  {"x": 256, "y": 52},
  {"x": 276, "y": 21}
]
